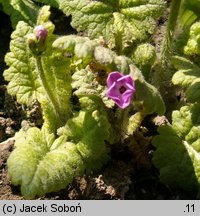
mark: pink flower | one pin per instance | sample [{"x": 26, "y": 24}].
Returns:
[
  {"x": 120, "y": 88},
  {"x": 41, "y": 32}
]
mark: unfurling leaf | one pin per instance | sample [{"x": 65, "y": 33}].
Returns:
[
  {"x": 193, "y": 45},
  {"x": 144, "y": 57}
]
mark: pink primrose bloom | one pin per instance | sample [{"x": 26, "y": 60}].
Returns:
[{"x": 120, "y": 88}]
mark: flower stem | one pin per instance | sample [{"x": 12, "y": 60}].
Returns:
[
  {"x": 128, "y": 125},
  {"x": 122, "y": 121},
  {"x": 166, "y": 50},
  {"x": 163, "y": 75},
  {"x": 50, "y": 94}
]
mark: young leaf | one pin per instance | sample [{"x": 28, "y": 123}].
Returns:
[
  {"x": 144, "y": 57},
  {"x": 187, "y": 76},
  {"x": 192, "y": 47},
  {"x": 21, "y": 10},
  {"x": 117, "y": 21},
  {"x": 177, "y": 154},
  {"x": 193, "y": 5}
]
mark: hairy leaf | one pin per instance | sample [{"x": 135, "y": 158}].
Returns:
[
  {"x": 187, "y": 76},
  {"x": 117, "y": 21},
  {"x": 21, "y": 10},
  {"x": 39, "y": 167},
  {"x": 22, "y": 73},
  {"x": 44, "y": 76},
  {"x": 102, "y": 61},
  {"x": 144, "y": 57},
  {"x": 40, "y": 163},
  {"x": 193, "y": 45},
  {"x": 85, "y": 83},
  {"x": 177, "y": 154},
  {"x": 91, "y": 122}
]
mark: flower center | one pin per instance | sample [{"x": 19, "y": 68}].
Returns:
[{"x": 122, "y": 89}]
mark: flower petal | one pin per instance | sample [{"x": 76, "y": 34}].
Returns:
[
  {"x": 115, "y": 82},
  {"x": 113, "y": 77},
  {"x": 127, "y": 79}
]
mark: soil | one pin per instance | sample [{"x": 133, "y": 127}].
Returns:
[{"x": 125, "y": 176}]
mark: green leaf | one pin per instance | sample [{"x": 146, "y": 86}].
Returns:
[
  {"x": 44, "y": 77},
  {"x": 79, "y": 47},
  {"x": 42, "y": 163},
  {"x": 189, "y": 12},
  {"x": 193, "y": 5},
  {"x": 193, "y": 45},
  {"x": 124, "y": 21},
  {"x": 21, "y": 72},
  {"x": 103, "y": 61},
  {"x": 21, "y": 10},
  {"x": 39, "y": 167},
  {"x": 144, "y": 57},
  {"x": 177, "y": 154},
  {"x": 53, "y": 3},
  {"x": 174, "y": 160},
  {"x": 91, "y": 122},
  {"x": 146, "y": 94},
  {"x": 187, "y": 76}
]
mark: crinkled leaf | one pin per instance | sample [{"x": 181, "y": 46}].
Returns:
[
  {"x": 193, "y": 45},
  {"x": 177, "y": 154},
  {"x": 85, "y": 83},
  {"x": 41, "y": 163},
  {"x": 144, "y": 57},
  {"x": 125, "y": 21},
  {"x": 79, "y": 47},
  {"x": 21, "y": 10},
  {"x": 44, "y": 77},
  {"x": 187, "y": 76},
  {"x": 90, "y": 123},
  {"x": 102, "y": 62},
  {"x": 39, "y": 167},
  {"x": 22, "y": 72}
]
